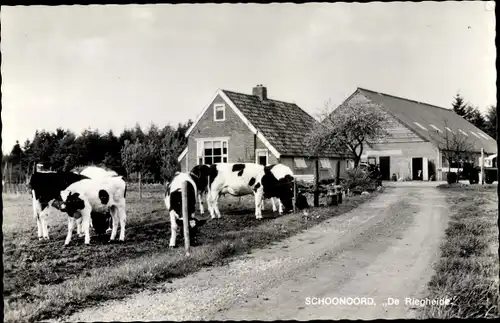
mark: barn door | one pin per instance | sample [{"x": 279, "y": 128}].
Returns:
[{"x": 425, "y": 169}]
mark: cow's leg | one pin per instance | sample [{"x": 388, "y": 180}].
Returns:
[
  {"x": 71, "y": 227},
  {"x": 114, "y": 215},
  {"x": 173, "y": 228},
  {"x": 273, "y": 201},
  {"x": 79, "y": 229},
  {"x": 210, "y": 204},
  {"x": 216, "y": 206},
  {"x": 200, "y": 199},
  {"x": 86, "y": 225},
  {"x": 110, "y": 224},
  {"x": 36, "y": 215},
  {"x": 280, "y": 205},
  {"x": 258, "y": 204},
  {"x": 122, "y": 216},
  {"x": 44, "y": 219}
]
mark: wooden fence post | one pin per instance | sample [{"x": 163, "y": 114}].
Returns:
[
  {"x": 294, "y": 195},
  {"x": 10, "y": 179},
  {"x": 185, "y": 217},
  {"x": 140, "y": 186},
  {"x": 337, "y": 179},
  {"x": 316, "y": 182},
  {"x": 482, "y": 166}
]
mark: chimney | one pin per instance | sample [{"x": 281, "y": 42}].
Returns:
[{"x": 260, "y": 91}]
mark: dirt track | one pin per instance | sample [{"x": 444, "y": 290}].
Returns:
[{"x": 382, "y": 249}]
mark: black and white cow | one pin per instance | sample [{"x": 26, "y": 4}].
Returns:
[
  {"x": 100, "y": 222},
  {"x": 45, "y": 189},
  {"x": 173, "y": 202},
  {"x": 100, "y": 195},
  {"x": 203, "y": 175},
  {"x": 239, "y": 179}
]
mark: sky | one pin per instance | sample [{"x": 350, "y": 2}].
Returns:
[{"x": 110, "y": 67}]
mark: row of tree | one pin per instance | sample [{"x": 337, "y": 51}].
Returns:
[
  {"x": 486, "y": 122},
  {"x": 152, "y": 153}
]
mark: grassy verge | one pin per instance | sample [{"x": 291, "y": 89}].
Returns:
[
  {"x": 467, "y": 272},
  {"x": 45, "y": 281}
]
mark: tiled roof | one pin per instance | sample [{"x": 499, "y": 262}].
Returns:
[
  {"x": 423, "y": 119},
  {"x": 284, "y": 125}
]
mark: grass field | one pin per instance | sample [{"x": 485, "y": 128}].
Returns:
[
  {"x": 44, "y": 279},
  {"x": 468, "y": 269}
]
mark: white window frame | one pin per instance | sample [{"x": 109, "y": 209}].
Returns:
[
  {"x": 465, "y": 133},
  {"x": 325, "y": 163},
  {"x": 475, "y": 134},
  {"x": 220, "y": 107},
  {"x": 259, "y": 153},
  {"x": 436, "y": 128},
  {"x": 418, "y": 124},
  {"x": 299, "y": 163},
  {"x": 200, "y": 149},
  {"x": 484, "y": 136}
]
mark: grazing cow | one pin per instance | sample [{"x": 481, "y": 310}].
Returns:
[
  {"x": 101, "y": 195},
  {"x": 45, "y": 190},
  {"x": 203, "y": 176},
  {"x": 173, "y": 202},
  {"x": 100, "y": 222},
  {"x": 239, "y": 179}
]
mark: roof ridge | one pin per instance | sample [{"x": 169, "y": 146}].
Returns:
[
  {"x": 268, "y": 99},
  {"x": 406, "y": 99}
]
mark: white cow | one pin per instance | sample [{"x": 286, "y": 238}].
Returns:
[
  {"x": 100, "y": 195},
  {"x": 95, "y": 172}
]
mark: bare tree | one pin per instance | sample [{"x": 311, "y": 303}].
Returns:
[
  {"x": 347, "y": 129},
  {"x": 456, "y": 147}
]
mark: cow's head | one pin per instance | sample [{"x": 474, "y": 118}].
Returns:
[
  {"x": 285, "y": 192},
  {"x": 71, "y": 203},
  {"x": 199, "y": 174}
]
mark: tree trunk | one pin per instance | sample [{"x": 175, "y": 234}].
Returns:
[
  {"x": 316, "y": 182},
  {"x": 357, "y": 159}
]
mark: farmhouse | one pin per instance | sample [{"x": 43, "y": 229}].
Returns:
[
  {"x": 419, "y": 134},
  {"x": 237, "y": 127}
]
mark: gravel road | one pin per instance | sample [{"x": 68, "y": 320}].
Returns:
[{"x": 383, "y": 249}]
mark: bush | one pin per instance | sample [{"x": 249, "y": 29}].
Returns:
[
  {"x": 359, "y": 179},
  {"x": 451, "y": 177}
]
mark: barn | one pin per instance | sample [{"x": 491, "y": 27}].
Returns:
[
  {"x": 237, "y": 127},
  {"x": 419, "y": 135}
]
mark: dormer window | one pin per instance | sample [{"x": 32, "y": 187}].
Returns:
[{"x": 219, "y": 112}]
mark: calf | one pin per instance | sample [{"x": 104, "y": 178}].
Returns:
[
  {"x": 100, "y": 222},
  {"x": 249, "y": 178},
  {"x": 100, "y": 195},
  {"x": 173, "y": 202},
  {"x": 45, "y": 190}
]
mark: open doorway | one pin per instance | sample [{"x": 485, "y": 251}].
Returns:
[
  {"x": 417, "y": 169},
  {"x": 385, "y": 167}
]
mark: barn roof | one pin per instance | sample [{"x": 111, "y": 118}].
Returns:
[
  {"x": 430, "y": 121},
  {"x": 283, "y": 124}
]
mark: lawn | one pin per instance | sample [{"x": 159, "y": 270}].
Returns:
[
  {"x": 44, "y": 279},
  {"x": 467, "y": 272}
]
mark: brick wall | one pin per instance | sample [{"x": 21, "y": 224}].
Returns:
[{"x": 241, "y": 141}]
